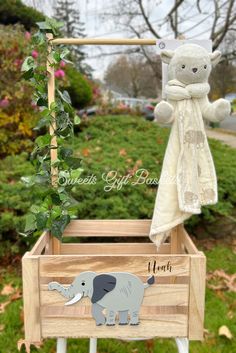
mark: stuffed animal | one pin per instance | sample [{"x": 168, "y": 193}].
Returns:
[{"x": 188, "y": 179}]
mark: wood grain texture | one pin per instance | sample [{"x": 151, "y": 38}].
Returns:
[
  {"x": 113, "y": 248},
  {"x": 40, "y": 244},
  {"x": 105, "y": 41},
  {"x": 67, "y": 266},
  {"x": 156, "y": 295},
  {"x": 31, "y": 293},
  {"x": 163, "y": 326},
  {"x": 188, "y": 243},
  {"x": 197, "y": 297},
  {"x": 108, "y": 228}
]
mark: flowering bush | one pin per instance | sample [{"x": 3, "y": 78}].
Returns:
[{"x": 17, "y": 113}]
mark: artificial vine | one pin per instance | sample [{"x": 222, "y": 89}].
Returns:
[{"x": 56, "y": 208}]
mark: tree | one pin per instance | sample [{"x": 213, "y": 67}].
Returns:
[
  {"x": 73, "y": 27},
  {"x": 132, "y": 76},
  {"x": 223, "y": 79},
  {"x": 181, "y": 19},
  {"x": 13, "y": 11}
]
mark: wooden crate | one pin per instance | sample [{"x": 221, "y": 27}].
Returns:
[{"x": 172, "y": 307}]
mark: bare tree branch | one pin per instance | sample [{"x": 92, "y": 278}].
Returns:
[{"x": 146, "y": 19}]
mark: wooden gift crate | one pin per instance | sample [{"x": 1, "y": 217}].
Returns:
[{"x": 172, "y": 307}]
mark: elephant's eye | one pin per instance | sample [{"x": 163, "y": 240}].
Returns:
[
  {"x": 183, "y": 66},
  {"x": 83, "y": 283},
  {"x": 205, "y": 66}
]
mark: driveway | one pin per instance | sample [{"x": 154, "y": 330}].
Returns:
[{"x": 229, "y": 123}]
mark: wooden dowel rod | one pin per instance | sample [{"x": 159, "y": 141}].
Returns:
[
  {"x": 51, "y": 99},
  {"x": 53, "y": 152},
  {"x": 105, "y": 41}
]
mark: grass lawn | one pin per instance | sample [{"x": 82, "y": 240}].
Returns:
[{"x": 220, "y": 310}]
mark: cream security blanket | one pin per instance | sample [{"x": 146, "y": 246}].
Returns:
[{"x": 188, "y": 179}]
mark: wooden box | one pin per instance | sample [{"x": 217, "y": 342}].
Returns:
[{"x": 172, "y": 307}]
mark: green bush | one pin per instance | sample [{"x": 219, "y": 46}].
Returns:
[
  {"x": 14, "y": 11},
  {"x": 78, "y": 87},
  {"x": 17, "y": 114}
]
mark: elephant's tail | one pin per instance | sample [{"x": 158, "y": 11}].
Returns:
[{"x": 150, "y": 281}]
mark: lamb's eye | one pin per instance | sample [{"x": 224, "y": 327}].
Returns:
[
  {"x": 205, "y": 66},
  {"x": 183, "y": 66},
  {"x": 83, "y": 283}
]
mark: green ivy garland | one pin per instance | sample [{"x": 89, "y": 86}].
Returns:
[{"x": 57, "y": 206}]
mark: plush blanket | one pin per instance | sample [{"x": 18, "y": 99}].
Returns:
[{"x": 188, "y": 178}]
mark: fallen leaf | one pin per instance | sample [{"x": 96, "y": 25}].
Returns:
[
  {"x": 230, "y": 314},
  {"x": 222, "y": 281},
  {"x": 3, "y": 306},
  {"x": 122, "y": 152},
  {"x": 7, "y": 289},
  {"x": 17, "y": 295},
  {"x": 85, "y": 152},
  {"x": 224, "y": 331},
  {"x": 2, "y": 327}
]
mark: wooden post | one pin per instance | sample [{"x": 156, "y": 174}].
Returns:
[
  {"x": 197, "y": 296},
  {"x": 53, "y": 151},
  {"x": 30, "y": 271}
]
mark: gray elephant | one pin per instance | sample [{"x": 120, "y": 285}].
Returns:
[{"x": 120, "y": 292}]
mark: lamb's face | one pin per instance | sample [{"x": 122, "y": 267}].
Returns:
[
  {"x": 188, "y": 69},
  {"x": 190, "y": 63}
]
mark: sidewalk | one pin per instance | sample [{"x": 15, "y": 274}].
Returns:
[{"x": 227, "y": 138}]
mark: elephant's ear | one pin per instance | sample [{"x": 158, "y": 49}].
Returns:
[{"x": 102, "y": 284}]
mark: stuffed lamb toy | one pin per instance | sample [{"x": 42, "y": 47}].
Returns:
[{"x": 188, "y": 179}]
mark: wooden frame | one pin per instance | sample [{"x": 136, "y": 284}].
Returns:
[{"x": 174, "y": 305}]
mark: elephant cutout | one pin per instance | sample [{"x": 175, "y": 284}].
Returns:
[{"x": 118, "y": 292}]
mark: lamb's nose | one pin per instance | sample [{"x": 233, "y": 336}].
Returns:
[{"x": 194, "y": 70}]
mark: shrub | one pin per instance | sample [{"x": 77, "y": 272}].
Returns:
[
  {"x": 14, "y": 11},
  {"x": 78, "y": 87},
  {"x": 17, "y": 114}
]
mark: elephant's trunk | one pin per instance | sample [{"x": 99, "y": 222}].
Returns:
[{"x": 66, "y": 292}]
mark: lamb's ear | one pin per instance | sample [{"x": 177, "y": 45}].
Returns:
[
  {"x": 166, "y": 56},
  {"x": 102, "y": 284},
  {"x": 215, "y": 57}
]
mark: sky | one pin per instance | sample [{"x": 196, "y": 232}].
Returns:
[{"x": 95, "y": 26}]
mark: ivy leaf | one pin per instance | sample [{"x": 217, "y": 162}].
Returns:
[
  {"x": 28, "y": 180},
  {"x": 65, "y": 152},
  {"x": 43, "y": 141},
  {"x": 76, "y": 173},
  {"x": 64, "y": 53},
  {"x": 28, "y": 64},
  {"x": 73, "y": 162},
  {"x": 64, "y": 96},
  {"x": 30, "y": 222},
  {"x": 38, "y": 38},
  {"x": 77, "y": 120},
  {"x": 27, "y": 75},
  {"x": 41, "y": 220},
  {"x": 59, "y": 225}
]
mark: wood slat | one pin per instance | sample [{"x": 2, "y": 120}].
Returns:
[
  {"x": 188, "y": 243},
  {"x": 84, "y": 311},
  {"x": 113, "y": 248},
  {"x": 160, "y": 280},
  {"x": 67, "y": 266},
  {"x": 40, "y": 244},
  {"x": 156, "y": 295},
  {"x": 165, "y": 326},
  {"x": 108, "y": 228}
]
